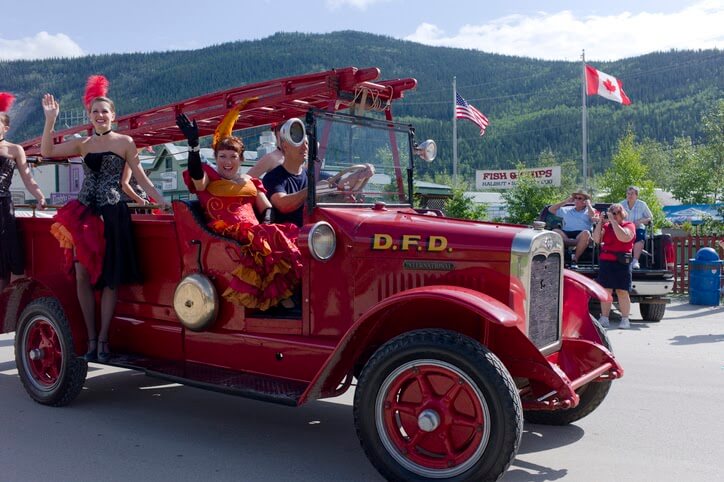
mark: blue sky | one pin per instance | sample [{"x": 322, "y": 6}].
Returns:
[{"x": 607, "y": 30}]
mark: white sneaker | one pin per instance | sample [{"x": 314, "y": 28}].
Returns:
[
  {"x": 635, "y": 264},
  {"x": 625, "y": 324},
  {"x": 603, "y": 321}
]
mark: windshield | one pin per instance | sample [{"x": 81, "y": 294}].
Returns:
[{"x": 363, "y": 161}]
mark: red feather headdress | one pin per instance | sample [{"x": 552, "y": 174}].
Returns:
[
  {"x": 97, "y": 86},
  {"x": 6, "y": 101}
]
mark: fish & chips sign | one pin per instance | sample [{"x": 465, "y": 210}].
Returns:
[{"x": 506, "y": 179}]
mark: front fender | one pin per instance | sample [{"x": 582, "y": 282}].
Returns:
[
  {"x": 448, "y": 307},
  {"x": 577, "y": 291},
  {"x": 587, "y": 285}
]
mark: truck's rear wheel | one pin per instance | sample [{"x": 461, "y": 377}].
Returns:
[
  {"x": 652, "y": 311},
  {"x": 591, "y": 396},
  {"x": 436, "y": 405},
  {"x": 50, "y": 371}
]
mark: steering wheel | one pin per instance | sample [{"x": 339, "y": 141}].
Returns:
[{"x": 349, "y": 181}]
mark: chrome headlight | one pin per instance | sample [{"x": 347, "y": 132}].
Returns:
[{"x": 322, "y": 241}]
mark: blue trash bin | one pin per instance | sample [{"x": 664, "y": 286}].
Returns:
[{"x": 705, "y": 278}]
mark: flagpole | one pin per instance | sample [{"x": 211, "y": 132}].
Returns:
[
  {"x": 584, "y": 118},
  {"x": 455, "y": 135}
]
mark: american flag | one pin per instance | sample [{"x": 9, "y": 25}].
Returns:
[{"x": 463, "y": 110}]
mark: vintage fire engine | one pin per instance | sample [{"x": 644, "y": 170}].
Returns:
[{"x": 455, "y": 331}]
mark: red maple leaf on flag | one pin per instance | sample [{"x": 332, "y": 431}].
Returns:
[{"x": 610, "y": 86}]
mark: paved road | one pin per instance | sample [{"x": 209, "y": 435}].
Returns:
[{"x": 662, "y": 421}]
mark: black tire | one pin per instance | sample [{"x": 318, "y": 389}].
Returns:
[
  {"x": 591, "y": 396},
  {"x": 479, "y": 433},
  {"x": 652, "y": 312},
  {"x": 51, "y": 372}
]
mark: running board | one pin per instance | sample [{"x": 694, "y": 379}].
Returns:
[{"x": 248, "y": 385}]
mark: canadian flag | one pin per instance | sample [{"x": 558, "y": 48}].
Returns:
[{"x": 605, "y": 85}]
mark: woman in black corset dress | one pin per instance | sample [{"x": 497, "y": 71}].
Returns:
[
  {"x": 98, "y": 221},
  {"x": 11, "y": 156}
]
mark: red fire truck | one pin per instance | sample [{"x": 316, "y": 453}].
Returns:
[{"x": 452, "y": 332}]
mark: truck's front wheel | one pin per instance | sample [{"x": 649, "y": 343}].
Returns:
[
  {"x": 652, "y": 311},
  {"x": 591, "y": 396},
  {"x": 437, "y": 405},
  {"x": 47, "y": 365}
]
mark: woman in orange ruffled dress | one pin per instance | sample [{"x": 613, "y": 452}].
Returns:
[{"x": 270, "y": 265}]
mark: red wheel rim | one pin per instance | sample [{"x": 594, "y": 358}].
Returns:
[
  {"x": 43, "y": 353},
  {"x": 432, "y": 418}
]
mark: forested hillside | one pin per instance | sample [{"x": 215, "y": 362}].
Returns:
[{"x": 533, "y": 105}]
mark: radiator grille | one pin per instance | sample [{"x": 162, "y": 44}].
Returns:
[{"x": 544, "y": 292}]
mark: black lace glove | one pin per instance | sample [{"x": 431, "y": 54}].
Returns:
[{"x": 190, "y": 129}]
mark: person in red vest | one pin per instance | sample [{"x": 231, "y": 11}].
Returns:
[{"x": 616, "y": 236}]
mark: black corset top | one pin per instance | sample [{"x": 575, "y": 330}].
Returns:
[
  {"x": 102, "y": 179},
  {"x": 7, "y": 166}
]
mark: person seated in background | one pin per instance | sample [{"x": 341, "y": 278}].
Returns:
[
  {"x": 577, "y": 221},
  {"x": 270, "y": 266},
  {"x": 638, "y": 213}
]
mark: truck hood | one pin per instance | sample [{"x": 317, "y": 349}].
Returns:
[{"x": 406, "y": 232}]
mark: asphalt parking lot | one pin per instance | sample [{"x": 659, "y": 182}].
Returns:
[{"x": 660, "y": 422}]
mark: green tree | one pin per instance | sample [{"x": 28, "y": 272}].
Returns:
[
  {"x": 713, "y": 122},
  {"x": 462, "y": 206},
  {"x": 459, "y": 205},
  {"x": 527, "y": 199},
  {"x": 699, "y": 170},
  {"x": 627, "y": 169},
  {"x": 691, "y": 184},
  {"x": 659, "y": 163}
]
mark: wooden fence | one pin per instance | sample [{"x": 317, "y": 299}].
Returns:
[{"x": 685, "y": 249}]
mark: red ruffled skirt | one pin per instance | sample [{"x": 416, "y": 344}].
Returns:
[
  {"x": 270, "y": 267},
  {"x": 77, "y": 226},
  {"x": 104, "y": 243}
]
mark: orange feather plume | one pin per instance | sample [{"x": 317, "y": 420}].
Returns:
[
  {"x": 97, "y": 86},
  {"x": 6, "y": 101},
  {"x": 227, "y": 123}
]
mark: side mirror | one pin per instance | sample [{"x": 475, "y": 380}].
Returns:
[{"x": 426, "y": 150}]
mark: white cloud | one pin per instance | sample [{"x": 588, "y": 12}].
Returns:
[
  {"x": 42, "y": 46},
  {"x": 359, "y": 4},
  {"x": 562, "y": 35}
]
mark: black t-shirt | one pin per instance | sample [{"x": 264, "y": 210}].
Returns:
[{"x": 279, "y": 180}]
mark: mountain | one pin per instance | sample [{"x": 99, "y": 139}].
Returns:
[{"x": 533, "y": 105}]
